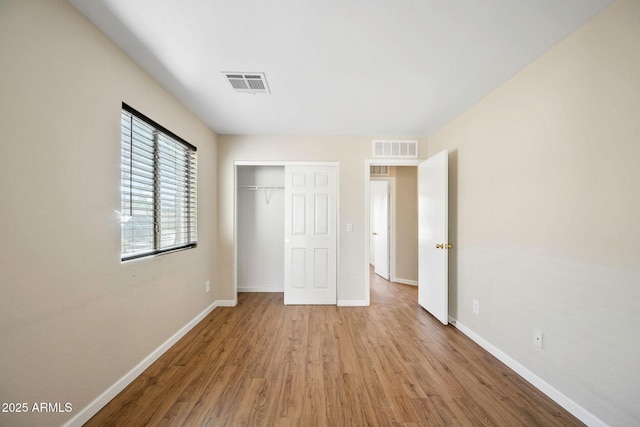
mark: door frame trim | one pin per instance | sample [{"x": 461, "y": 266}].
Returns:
[
  {"x": 283, "y": 163},
  {"x": 367, "y": 230}
]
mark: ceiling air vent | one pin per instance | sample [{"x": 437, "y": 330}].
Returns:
[
  {"x": 396, "y": 149},
  {"x": 248, "y": 82}
]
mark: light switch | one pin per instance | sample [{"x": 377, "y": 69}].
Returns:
[{"x": 349, "y": 227}]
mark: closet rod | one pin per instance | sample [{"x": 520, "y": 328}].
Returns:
[{"x": 259, "y": 187}]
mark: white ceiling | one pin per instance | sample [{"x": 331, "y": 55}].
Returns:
[{"x": 335, "y": 67}]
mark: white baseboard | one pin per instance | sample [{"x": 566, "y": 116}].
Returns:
[
  {"x": 404, "y": 281},
  {"x": 353, "y": 303},
  {"x": 92, "y": 408},
  {"x": 226, "y": 303},
  {"x": 576, "y": 410},
  {"x": 261, "y": 289}
]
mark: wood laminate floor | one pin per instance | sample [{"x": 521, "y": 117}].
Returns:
[{"x": 391, "y": 364}]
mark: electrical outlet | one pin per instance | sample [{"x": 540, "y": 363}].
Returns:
[
  {"x": 537, "y": 338},
  {"x": 207, "y": 286},
  {"x": 476, "y": 306}
]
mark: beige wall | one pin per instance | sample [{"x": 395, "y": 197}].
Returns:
[
  {"x": 545, "y": 208},
  {"x": 350, "y": 152},
  {"x": 73, "y": 319}
]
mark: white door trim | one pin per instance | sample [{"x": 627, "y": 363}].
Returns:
[
  {"x": 367, "y": 230},
  {"x": 283, "y": 163}
]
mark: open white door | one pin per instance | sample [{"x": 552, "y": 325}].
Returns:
[
  {"x": 380, "y": 234},
  {"x": 310, "y": 273},
  {"x": 433, "y": 232}
]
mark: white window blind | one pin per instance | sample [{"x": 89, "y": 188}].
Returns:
[{"x": 158, "y": 188}]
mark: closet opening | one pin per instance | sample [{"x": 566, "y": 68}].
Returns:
[{"x": 260, "y": 228}]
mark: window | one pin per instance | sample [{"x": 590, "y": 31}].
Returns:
[{"x": 158, "y": 188}]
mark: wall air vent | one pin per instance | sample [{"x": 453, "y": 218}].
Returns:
[
  {"x": 396, "y": 149},
  {"x": 248, "y": 82},
  {"x": 379, "y": 170}
]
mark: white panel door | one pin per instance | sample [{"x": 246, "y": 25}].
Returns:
[
  {"x": 310, "y": 273},
  {"x": 380, "y": 226},
  {"x": 433, "y": 232}
]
